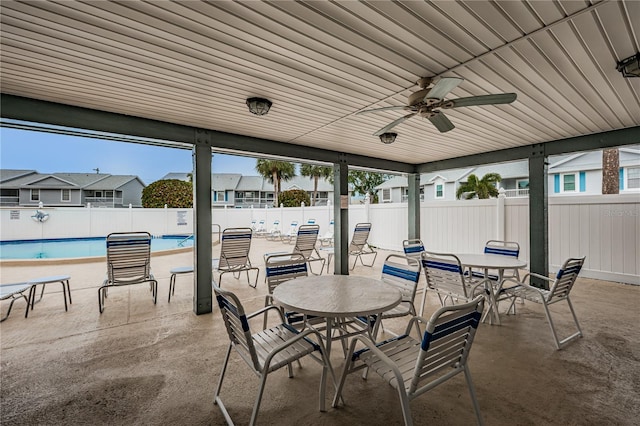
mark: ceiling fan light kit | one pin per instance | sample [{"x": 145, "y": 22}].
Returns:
[
  {"x": 258, "y": 106},
  {"x": 630, "y": 67},
  {"x": 388, "y": 138},
  {"x": 428, "y": 102}
]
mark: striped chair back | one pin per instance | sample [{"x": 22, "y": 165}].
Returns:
[
  {"x": 284, "y": 267},
  {"x": 565, "y": 279},
  {"x": 446, "y": 343},
  {"x": 234, "y": 251},
  {"x": 237, "y": 326},
  {"x": 402, "y": 273},
  {"x": 503, "y": 248},
  {"x": 311, "y": 221},
  {"x": 360, "y": 237},
  {"x": 444, "y": 274},
  {"x": 128, "y": 257},
  {"x": 413, "y": 248},
  {"x": 306, "y": 240}
]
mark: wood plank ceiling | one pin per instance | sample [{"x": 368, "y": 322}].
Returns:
[{"x": 195, "y": 63}]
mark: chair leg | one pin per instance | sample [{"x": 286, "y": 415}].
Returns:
[
  {"x": 406, "y": 408},
  {"x": 472, "y": 392},
  {"x": 224, "y": 369},
  {"x": 256, "y": 406},
  {"x": 172, "y": 286}
]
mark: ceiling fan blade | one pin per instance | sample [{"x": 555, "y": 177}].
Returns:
[
  {"x": 393, "y": 124},
  {"x": 442, "y": 87},
  {"x": 441, "y": 122},
  {"x": 389, "y": 108},
  {"x": 501, "y": 98}
]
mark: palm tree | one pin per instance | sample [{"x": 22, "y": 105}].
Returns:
[
  {"x": 275, "y": 172},
  {"x": 610, "y": 171},
  {"x": 481, "y": 188},
  {"x": 315, "y": 173}
]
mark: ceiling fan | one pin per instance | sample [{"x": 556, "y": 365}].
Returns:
[{"x": 428, "y": 101}]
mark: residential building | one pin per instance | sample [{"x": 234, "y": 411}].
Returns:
[
  {"x": 238, "y": 191},
  {"x": 579, "y": 174},
  {"x": 29, "y": 188}
]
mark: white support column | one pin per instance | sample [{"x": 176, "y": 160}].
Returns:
[{"x": 500, "y": 215}]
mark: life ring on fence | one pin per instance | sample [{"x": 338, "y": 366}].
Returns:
[{"x": 40, "y": 216}]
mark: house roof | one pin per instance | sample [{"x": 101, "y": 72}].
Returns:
[
  {"x": 69, "y": 180},
  {"x": 112, "y": 182},
  {"x": 9, "y": 174}
]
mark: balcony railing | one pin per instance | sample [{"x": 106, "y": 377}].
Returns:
[
  {"x": 513, "y": 193},
  {"x": 103, "y": 201},
  {"x": 9, "y": 201}
]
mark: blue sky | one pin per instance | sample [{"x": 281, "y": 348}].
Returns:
[{"x": 51, "y": 153}]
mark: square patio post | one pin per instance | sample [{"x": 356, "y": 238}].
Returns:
[
  {"x": 538, "y": 214},
  {"x": 341, "y": 217},
  {"x": 202, "y": 274}
]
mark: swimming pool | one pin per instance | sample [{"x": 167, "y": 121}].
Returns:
[{"x": 65, "y": 248}]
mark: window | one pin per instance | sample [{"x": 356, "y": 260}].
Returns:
[
  {"x": 386, "y": 195},
  {"x": 569, "y": 183},
  {"x": 219, "y": 196},
  {"x": 65, "y": 195},
  {"x": 97, "y": 194},
  {"x": 35, "y": 195},
  {"x": 108, "y": 194},
  {"x": 633, "y": 177},
  {"x": 440, "y": 190}
]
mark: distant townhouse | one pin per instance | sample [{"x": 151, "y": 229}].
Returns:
[
  {"x": 29, "y": 188},
  {"x": 575, "y": 174},
  {"x": 238, "y": 191}
]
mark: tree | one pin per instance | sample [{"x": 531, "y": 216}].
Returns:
[
  {"x": 174, "y": 193},
  {"x": 364, "y": 182},
  {"x": 610, "y": 171},
  {"x": 294, "y": 198},
  {"x": 275, "y": 172},
  {"x": 481, "y": 188},
  {"x": 315, "y": 173}
]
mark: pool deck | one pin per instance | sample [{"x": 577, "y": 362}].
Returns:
[{"x": 140, "y": 363}]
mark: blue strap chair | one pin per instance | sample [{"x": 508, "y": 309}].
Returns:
[
  {"x": 558, "y": 291},
  {"x": 359, "y": 245},
  {"x": 234, "y": 254},
  {"x": 413, "y": 367},
  {"x": 265, "y": 351},
  {"x": 445, "y": 276}
]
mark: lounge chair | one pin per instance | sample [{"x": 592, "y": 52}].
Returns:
[
  {"x": 359, "y": 245},
  {"x": 327, "y": 238},
  {"x": 15, "y": 292},
  {"x": 275, "y": 232},
  {"x": 306, "y": 245},
  {"x": 234, "y": 254},
  {"x": 128, "y": 262},
  {"x": 260, "y": 230},
  {"x": 288, "y": 236}
]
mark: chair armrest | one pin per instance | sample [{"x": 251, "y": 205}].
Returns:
[
  {"x": 264, "y": 310},
  {"x": 413, "y": 322},
  {"x": 378, "y": 353},
  {"x": 533, "y": 274}
]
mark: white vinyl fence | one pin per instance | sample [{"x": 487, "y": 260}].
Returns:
[{"x": 604, "y": 228}]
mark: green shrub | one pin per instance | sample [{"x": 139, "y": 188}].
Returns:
[
  {"x": 294, "y": 198},
  {"x": 172, "y": 192}
]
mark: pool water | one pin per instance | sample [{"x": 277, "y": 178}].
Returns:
[{"x": 78, "y": 247}]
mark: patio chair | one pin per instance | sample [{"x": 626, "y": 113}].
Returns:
[
  {"x": 278, "y": 269},
  {"x": 291, "y": 233},
  {"x": 414, "y": 367},
  {"x": 444, "y": 275},
  {"x": 559, "y": 290},
  {"x": 128, "y": 262},
  {"x": 234, "y": 254},
  {"x": 327, "y": 238},
  {"x": 265, "y": 351},
  {"x": 414, "y": 248},
  {"x": 501, "y": 248},
  {"x": 306, "y": 245},
  {"x": 15, "y": 292},
  {"x": 359, "y": 245},
  {"x": 403, "y": 273},
  {"x": 274, "y": 232},
  {"x": 261, "y": 229}
]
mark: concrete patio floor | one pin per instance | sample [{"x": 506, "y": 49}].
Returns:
[{"x": 140, "y": 363}]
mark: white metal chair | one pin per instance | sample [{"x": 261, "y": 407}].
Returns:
[
  {"x": 128, "y": 262},
  {"x": 14, "y": 292},
  {"x": 261, "y": 229},
  {"x": 559, "y": 290},
  {"x": 501, "y": 248},
  {"x": 291, "y": 233},
  {"x": 274, "y": 232},
  {"x": 267, "y": 350},
  {"x": 278, "y": 269},
  {"x": 327, "y": 238},
  {"x": 306, "y": 245},
  {"x": 414, "y": 248},
  {"x": 234, "y": 254},
  {"x": 359, "y": 245},
  {"x": 413, "y": 367},
  {"x": 402, "y": 273},
  {"x": 445, "y": 276}
]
